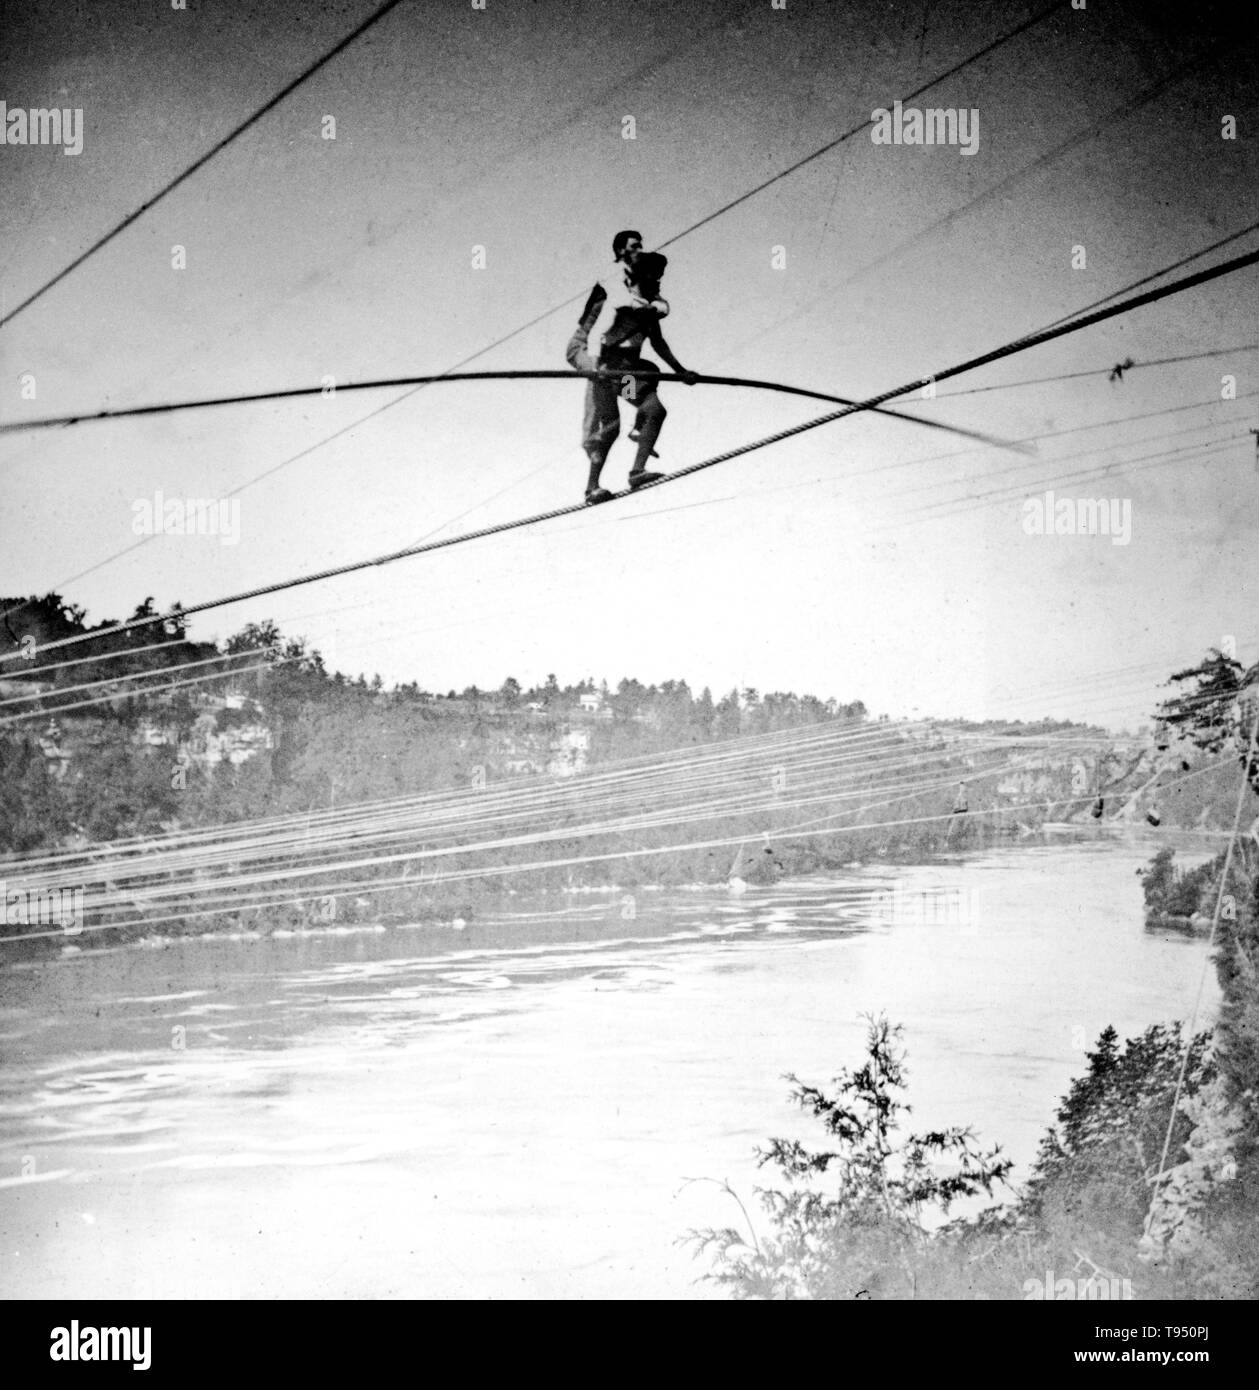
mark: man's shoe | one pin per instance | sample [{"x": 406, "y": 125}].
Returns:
[
  {"x": 597, "y": 494},
  {"x": 640, "y": 477}
]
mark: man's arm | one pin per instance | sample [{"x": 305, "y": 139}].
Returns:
[
  {"x": 663, "y": 350},
  {"x": 594, "y": 303}
]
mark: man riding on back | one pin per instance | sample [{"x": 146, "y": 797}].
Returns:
[{"x": 623, "y": 311}]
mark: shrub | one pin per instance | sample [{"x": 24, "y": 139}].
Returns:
[{"x": 868, "y": 1235}]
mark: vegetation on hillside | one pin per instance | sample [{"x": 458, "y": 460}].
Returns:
[{"x": 132, "y": 764}]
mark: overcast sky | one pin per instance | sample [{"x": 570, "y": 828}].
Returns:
[{"x": 868, "y": 559}]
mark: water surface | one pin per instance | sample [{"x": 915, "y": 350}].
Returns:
[{"x": 515, "y": 1108}]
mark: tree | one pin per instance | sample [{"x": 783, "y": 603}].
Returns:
[
  {"x": 728, "y": 721},
  {"x": 143, "y": 635},
  {"x": 1094, "y": 1174},
  {"x": 510, "y": 692},
  {"x": 47, "y": 619},
  {"x": 1219, "y": 709},
  {"x": 630, "y": 698},
  {"x": 871, "y": 1223}
]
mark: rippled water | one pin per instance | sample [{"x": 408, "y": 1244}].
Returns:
[{"x": 515, "y": 1108}]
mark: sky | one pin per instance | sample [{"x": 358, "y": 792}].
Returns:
[{"x": 869, "y": 558}]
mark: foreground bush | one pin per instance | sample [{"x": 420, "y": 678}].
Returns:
[{"x": 868, "y": 1236}]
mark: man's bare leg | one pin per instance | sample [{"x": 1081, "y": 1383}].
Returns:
[{"x": 651, "y": 417}]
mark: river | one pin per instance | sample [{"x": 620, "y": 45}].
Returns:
[{"x": 515, "y": 1108}]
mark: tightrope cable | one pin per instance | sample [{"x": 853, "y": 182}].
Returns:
[{"x": 1030, "y": 340}]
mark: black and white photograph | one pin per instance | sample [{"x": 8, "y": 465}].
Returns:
[{"x": 629, "y": 658}]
